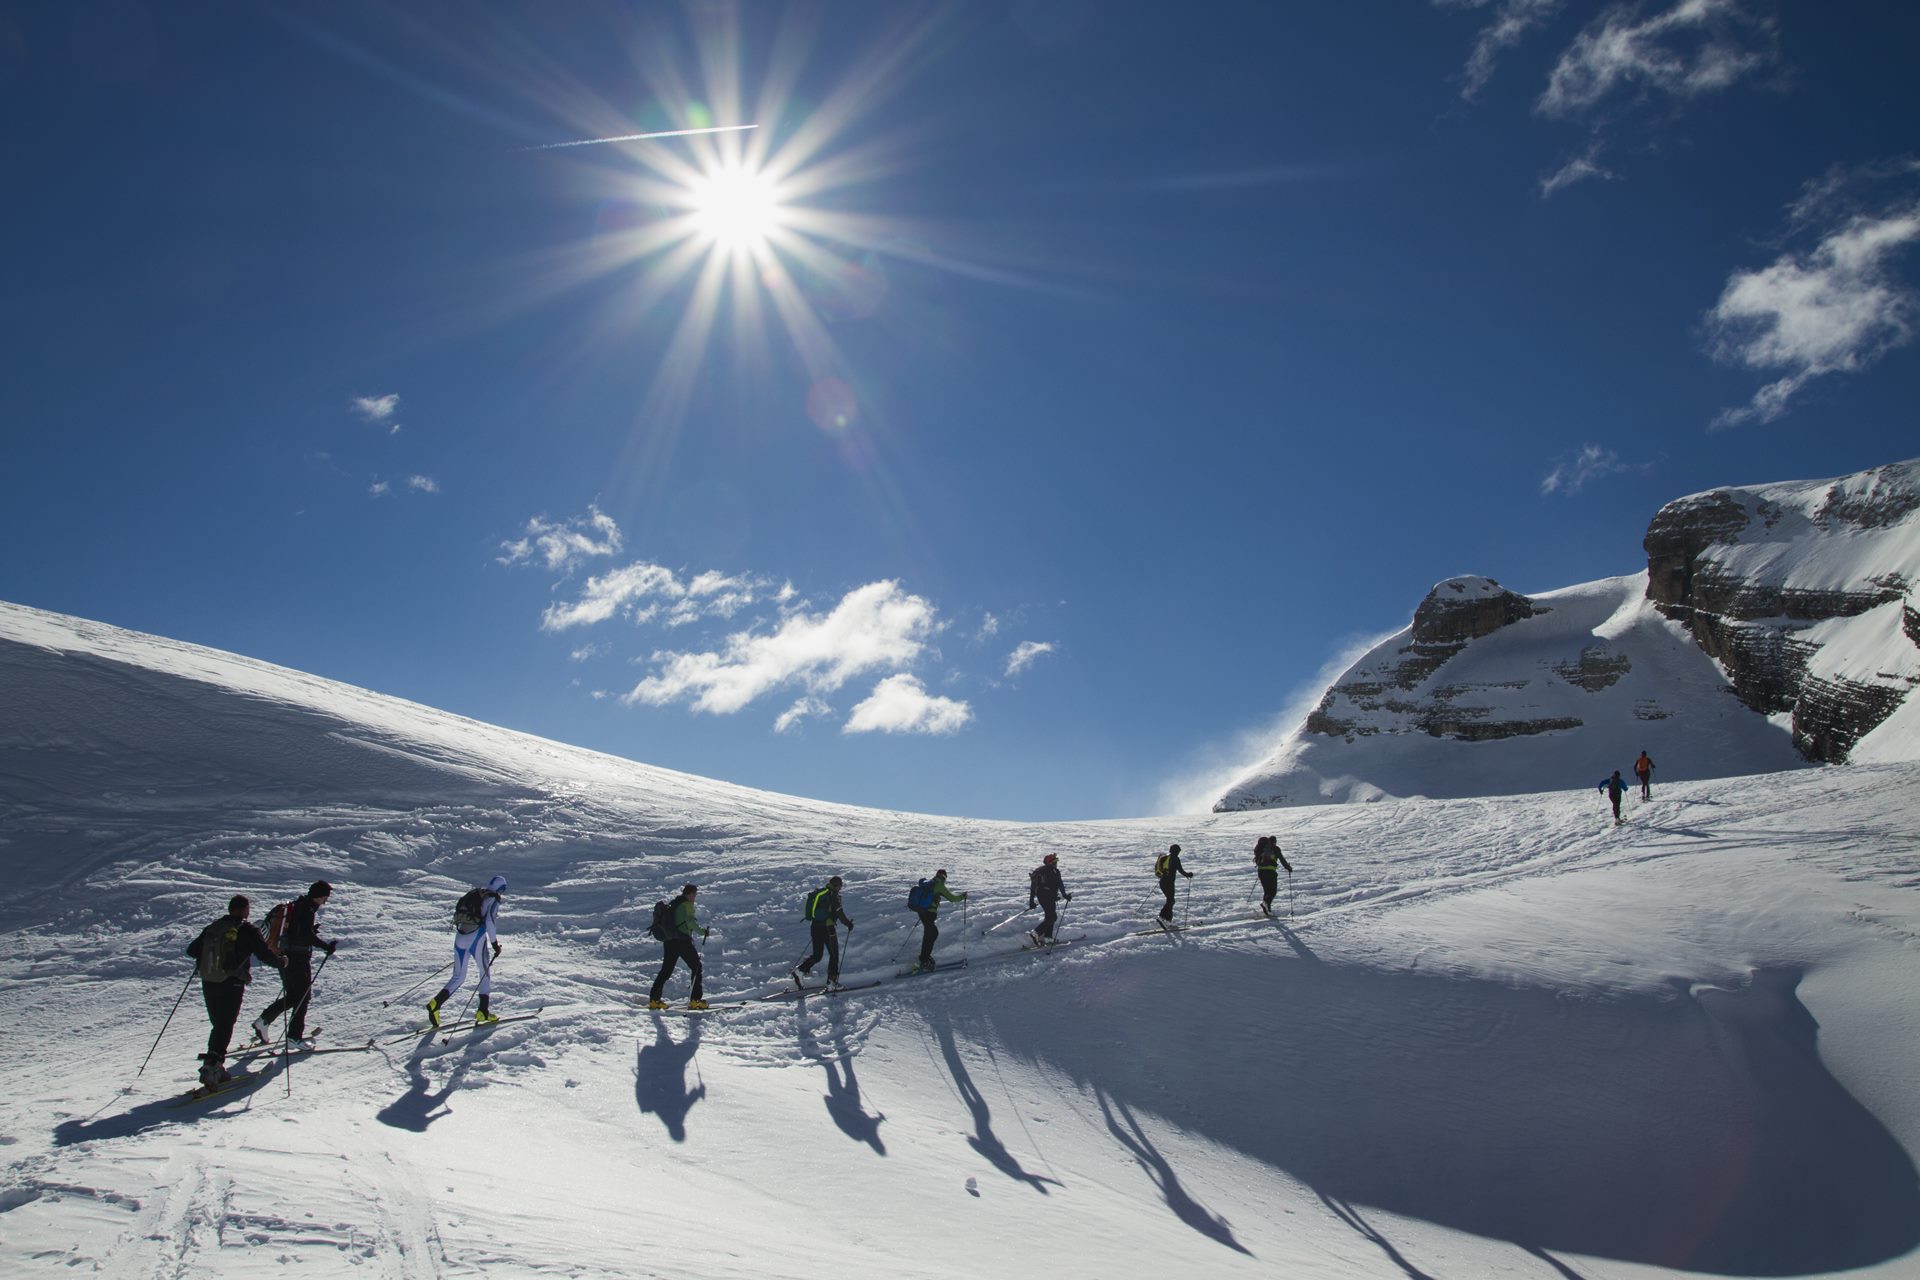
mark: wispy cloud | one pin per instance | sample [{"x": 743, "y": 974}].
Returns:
[
  {"x": 642, "y": 592},
  {"x": 901, "y": 704},
  {"x": 379, "y": 488},
  {"x": 564, "y": 545},
  {"x": 800, "y": 710},
  {"x": 377, "y": 409},
  {"x": 989, "y": 627},
  {"x": 423, "y": 484},
  {"x": 1631, "y": 58},
  {"x": 1024, "y": 653},
  {"x": 1512, "y": 21},
  {"x": 877, "y": 626},
  {"x": 1683, "y": 50},
  {"x": 1591, "y": 462},
  {"x": 1834, "y": 308}
]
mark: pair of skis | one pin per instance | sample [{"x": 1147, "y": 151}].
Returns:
[
  {"x": 468, "y": 1025},
  {"x": 800, "y": 993}
]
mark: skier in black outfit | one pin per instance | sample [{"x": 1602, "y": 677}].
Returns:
[
  {"x": 1167, "y": 866},
  {"x": 1045, "y": 886},
  {"x": 1267, "y": 860},
  {"x": 825, "y": 915},
  {"x": 299, "y": 935},
  {"x": 224, "y": 952}
]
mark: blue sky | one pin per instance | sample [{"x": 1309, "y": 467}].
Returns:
[{"x": 1098, "y": 375}]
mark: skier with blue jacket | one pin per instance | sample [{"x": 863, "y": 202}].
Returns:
[
  {"x": 475, "y": 929},
  {"x": 1614, "y": 789}
]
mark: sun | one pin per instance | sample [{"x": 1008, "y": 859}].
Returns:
[{"x": 735, "y": 207}]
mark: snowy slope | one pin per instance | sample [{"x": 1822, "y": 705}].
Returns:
[
  {"x": 1665, "y": 696},
  {"x": 1775, "y": 625},
  {"x": 1501, "y": 1037}
]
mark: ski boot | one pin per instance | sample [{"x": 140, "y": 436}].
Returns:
[
  {"x": 260, "y": 1030},
  {"x": 656, "y": 1004},
  {"x": 209, "y": 1077},
  {"x": 300, "y": 1044},
  {"x": 433, "y": 1007},
  {"x": 485, "y": 1014},
  {"x": 696, "y": 1004}
]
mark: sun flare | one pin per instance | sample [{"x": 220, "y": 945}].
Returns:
[{"x": 736, "y": 207}]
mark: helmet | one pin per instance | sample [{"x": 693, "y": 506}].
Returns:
[
  {"x": 498, "y": 884},
  {"x": 1052, "y": 857},
  {"x": 1173, "y": 848}
]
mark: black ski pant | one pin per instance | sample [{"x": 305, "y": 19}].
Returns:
[
  {"x": 677, "y": 950},
  {"x": 296, "y": 991},
  {"x": 1646, "y": 786},
  {"x": 223, "y": 1010},
  {"x": 1269, "y": 885},
  {"x": 928, "y": 932},
  {"x": 826, "y": 937},
  {"x": 1166, "y": 887},
  {"x": 1615, "y": 797},
  {"x": 1053, "y": 914}
]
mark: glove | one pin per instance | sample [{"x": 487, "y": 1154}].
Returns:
[
  {"x": 1187, "y": 874},
  {"x": 329, "y": 946},
  {"x": 703, "y": 934},
  {"x": 1031, "y": 904},
  {"x": 496, "y": 951},
  {"x": 1067, "y": 896},
  {"x": 849, "y": 926}
]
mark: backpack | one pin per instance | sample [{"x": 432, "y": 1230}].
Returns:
[
  {"x": 920, "y": 897},
  {"x": 220, "y": 953},
  {"x": 662, "y": 926},
  {"x": 816, "y": 901},
  {"x": 470, "y": 912},
  {"x": 1160, "y": 864},
  {"x": 276, "y": 923},
  {"x": 1033, "y": 879}
]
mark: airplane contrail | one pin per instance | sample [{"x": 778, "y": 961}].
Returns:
[{"x": 640, "y": 137}]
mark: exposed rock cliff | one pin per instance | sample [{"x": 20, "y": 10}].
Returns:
[
  {"x": 1754, "y": 572},
  {"x": 1774, "y": 626}
]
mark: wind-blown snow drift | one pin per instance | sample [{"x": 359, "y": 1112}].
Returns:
[{"x": 1500, "y": 1037}]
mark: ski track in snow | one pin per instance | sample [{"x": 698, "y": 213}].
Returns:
[{"x": 1503, "y": 1036}]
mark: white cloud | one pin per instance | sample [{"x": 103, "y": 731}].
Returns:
[
  {"x": 608, "y": 594},
  {"x": 567, "y": 544},
  {"x": 1690, "y": 48},
  {"x": 423, "y": 484},
  {"x": 1024, "y": 653},
  {"x": 799, "y": 711},
  {"x": 586, "y": 651},
  {"x": 989, "y": 627},
  {"x": 901, "y": 704},
  {"x": 1578, "y": 169},
  {"x": 378, "y": 409},
  {"x": 1512, "y": 20},
  {"x": 875, "y": 626},
  {"x": 379, "y": 488},
  {"x": 1835, "y": 309},
  {"x": 1592, "y": 462}
]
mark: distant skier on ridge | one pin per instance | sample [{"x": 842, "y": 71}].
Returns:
[
  {"x": 1045, "y": 887},
  {"x": 825, "y": 915},
  {"x": 1643, "y": 770},
  {"x": 924, "y": 901},
  {"x": 1614, "y": 788},
  {"x": 299, "y": 935},
  {"x": 1267, "y": 861},
  {"x": 681, "y": 925},
  {"x": 1167, "y": 866},
  {"x": 224, "y": 952},
  {"x": 474, "y": 928}
]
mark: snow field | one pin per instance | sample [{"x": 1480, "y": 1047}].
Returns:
[{"x": 1503, "y": 1037}]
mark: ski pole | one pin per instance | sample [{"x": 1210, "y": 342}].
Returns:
[
  {"x": 1290, "y": 895},
  {"x": 163, "y": 1026},
  {"x": 296, "y": 1014},
  {"x": 416, "y": 986},
  {"x": 965, "y": 929}
]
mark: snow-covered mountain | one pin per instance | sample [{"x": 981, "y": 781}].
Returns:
[
  {"x": 1773, "y": 627},
  {"x": 1498, "y": 1036}
]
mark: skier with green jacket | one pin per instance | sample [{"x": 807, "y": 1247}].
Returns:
[
  {"x": 680, "y": 947},
  {"x": 925, "y": 901}
]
